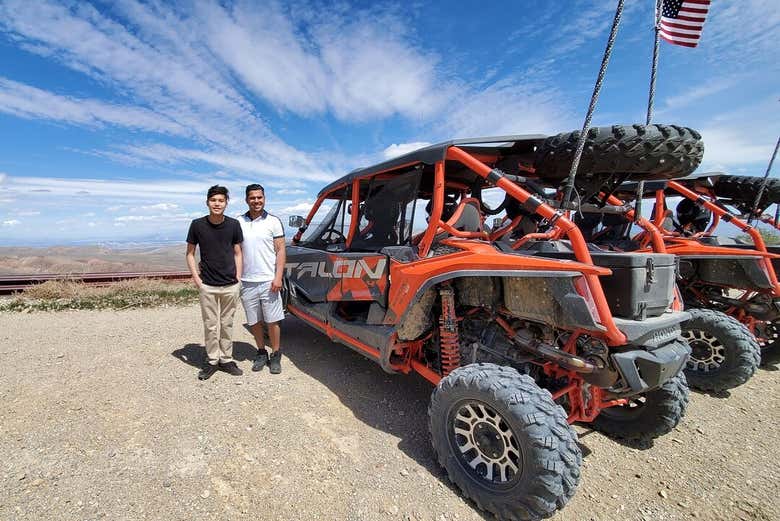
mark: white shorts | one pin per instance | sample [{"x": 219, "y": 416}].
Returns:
[{"x": 260, "y": 303}]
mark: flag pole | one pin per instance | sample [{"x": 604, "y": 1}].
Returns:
[
  {"x": 640, "y": 188},
  {"x": 654, "y": 69},
  {"x": 763, "y": 185},
  {"x": 592, "y": 107}
]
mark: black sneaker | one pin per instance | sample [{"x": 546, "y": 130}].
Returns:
[
  {"x": 275, "y": 362},
  {"x": 260, "y": 361},
  {"x": 231, "y": 368},
  {"x": 207, "y": 371}
]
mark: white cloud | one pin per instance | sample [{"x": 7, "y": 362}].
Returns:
[
  {"x": 28, "y": 213},
  {"x": 297, "y": 208},
  {"x": 696, "y": 94},
  {"x": 11, "y": 222},
  {"x": 3, "y": 177},
  {"x": 91, "y": 224},
  {"x": 159, "y": 206},
  {"x": 359, "y": 65},
  {"x": 399, "y": 149},
  {"x": 290, "y": 191},
  {"x": 506, "y": 108},
  {"x": 725, "y": 148},
  {"x": 29, "y": 102}
]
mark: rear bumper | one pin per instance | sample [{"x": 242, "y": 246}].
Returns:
[{"x": 644, "y": 370}]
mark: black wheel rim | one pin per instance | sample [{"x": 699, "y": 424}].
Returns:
[
  {"x": 484, "y": 444},
  {"x": 768, "y": 335},
  {"x": 707, "y": 352}
]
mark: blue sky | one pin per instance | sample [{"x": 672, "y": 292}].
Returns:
[{"x": 117, "y": 116}]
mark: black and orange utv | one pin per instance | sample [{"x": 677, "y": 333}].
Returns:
[
  {"x": 395, "y": 261},
  {"x": 719, "y": 276}
]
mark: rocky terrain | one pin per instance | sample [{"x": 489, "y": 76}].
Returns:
[{"x": 102, "y": 417}]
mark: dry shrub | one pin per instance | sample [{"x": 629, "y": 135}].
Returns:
[
  {"x": 57, "y": 295},
  {"x": 54, "y": 289}
]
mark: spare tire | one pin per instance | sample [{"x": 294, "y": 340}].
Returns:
[
  {"x": 644, "y": 151},
  {"x": 743, "y": 189}
]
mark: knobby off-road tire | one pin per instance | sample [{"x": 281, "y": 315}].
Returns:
[
  {"x": 744, "y": 189},
  {"x": 724, "y": 353},
  {"x": 648, "y": 416},
  {"x": 648, "y": 151},
  {"x": 504, "y": 442},
  {"x": 770, "y": 345}
]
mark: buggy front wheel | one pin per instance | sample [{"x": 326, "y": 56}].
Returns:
[{"x": 504, "y": 442}]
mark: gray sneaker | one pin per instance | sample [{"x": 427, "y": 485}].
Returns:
[
  {"x": 260, "y": 361},
  {"x": 275, "y": 362}
]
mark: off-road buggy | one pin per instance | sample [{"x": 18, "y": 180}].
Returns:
[
  {"x": 520, "y": 340},
  {"x": 718, "y": 274},
  {"x": 721, "y": 286}
]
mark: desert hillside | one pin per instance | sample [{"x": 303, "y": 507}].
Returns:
[{"x": 91, "y": 259}]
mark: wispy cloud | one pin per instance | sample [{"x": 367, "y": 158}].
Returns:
[
  {"x": 399, "y": 149},
  {"x": 32, "y": 103},
  {"x": 11, "y": 222}
]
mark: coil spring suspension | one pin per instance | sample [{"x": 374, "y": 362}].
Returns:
[{"x": 449, "y": 342}]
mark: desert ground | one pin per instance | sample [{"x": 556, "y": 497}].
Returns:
[{"x": 103, "y": 417}]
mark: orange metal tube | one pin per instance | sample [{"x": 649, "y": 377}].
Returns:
[
  {"x": 655, "y": 236},
  {"x": 309, "y": 217},
  {"x": 659, "y": 209},
  {"x": 438, "y": 204},
  {"x": 353, "y": 223},
  {"x": 567, "y": 227},
  {"x": 758, "y": 241}
]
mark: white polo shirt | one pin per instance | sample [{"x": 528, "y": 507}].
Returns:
[{"x": 258, "y": 246}]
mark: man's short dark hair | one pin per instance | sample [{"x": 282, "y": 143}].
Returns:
[
  {"x": 253, "y": 187},
  {"x": 217, "y": 190}
]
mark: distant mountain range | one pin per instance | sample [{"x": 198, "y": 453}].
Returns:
[{"x": 93, "y": 258}]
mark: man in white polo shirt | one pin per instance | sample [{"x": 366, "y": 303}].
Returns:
[{"x": 261, "y": 282}]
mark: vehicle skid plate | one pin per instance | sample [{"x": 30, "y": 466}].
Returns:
[{"x": 645, "y": 370}]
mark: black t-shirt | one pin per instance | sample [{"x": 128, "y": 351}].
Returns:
[{"x": 216, "y": 241}]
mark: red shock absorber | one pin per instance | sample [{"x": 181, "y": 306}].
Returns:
[{"x": 449, "y": 343}]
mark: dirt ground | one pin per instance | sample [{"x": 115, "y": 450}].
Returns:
[{"x": 102, "y": 417}]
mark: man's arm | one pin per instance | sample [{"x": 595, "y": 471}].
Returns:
[
  {"x": 281, "y": 259},
  {"x": 193, "y": 265},
  {"x": 239, "y": 257}
]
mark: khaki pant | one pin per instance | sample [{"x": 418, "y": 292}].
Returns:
[{"x": 218, "y": 306}]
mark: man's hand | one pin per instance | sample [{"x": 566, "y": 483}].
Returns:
[
  {"x": 198, "y": 282},
  {"x": 276, "y": 284}
]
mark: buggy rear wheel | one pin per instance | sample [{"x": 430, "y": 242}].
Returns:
[
  {"x": 646, "y": 416},
  {"x": 768, "y": 335},
  {"x": 724, "y": 354},
  {"x": 504, "y": 442}
]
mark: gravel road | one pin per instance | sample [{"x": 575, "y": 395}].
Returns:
[{"x": 102, "y": 417}]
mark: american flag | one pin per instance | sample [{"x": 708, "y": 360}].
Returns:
[{"x": 682, "y": 21}]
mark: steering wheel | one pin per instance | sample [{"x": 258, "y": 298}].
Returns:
[{"x": 328, "y": 236}]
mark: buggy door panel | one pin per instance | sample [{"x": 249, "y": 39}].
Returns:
[
  {"x": 359, "y": 277},
  {"x": 310, "y": 271}
]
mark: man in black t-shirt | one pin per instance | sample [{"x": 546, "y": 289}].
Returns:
[{"x": 217, "y": 276}]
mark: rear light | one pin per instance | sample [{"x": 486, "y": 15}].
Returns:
[{"x": 582, "y": 289}]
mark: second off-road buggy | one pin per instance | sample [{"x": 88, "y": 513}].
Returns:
[
  {"x": 722, "y": 287},
  {"x": 395, "y": 262},
  {"x": 718, "y": 274}
]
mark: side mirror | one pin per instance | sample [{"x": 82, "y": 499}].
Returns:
[{"x": 296, "y": 221}]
